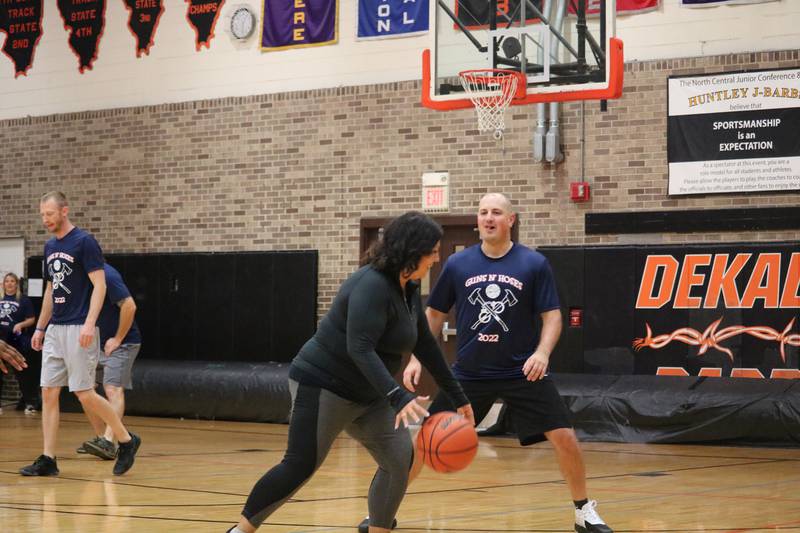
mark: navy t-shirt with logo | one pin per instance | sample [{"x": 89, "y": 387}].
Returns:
[
  {"x": 497, "y": 302},
  {"x": 108, "y": 322},
  {"x": 12, "y": 312},
  {"x": 68, "y": 262}
]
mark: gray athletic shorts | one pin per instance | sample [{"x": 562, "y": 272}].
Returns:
[
  {"x": 117, "y": 368},
  {"x": 65, "y": 362}
]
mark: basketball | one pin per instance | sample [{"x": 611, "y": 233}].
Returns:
[{"x": 447, "y": 442}]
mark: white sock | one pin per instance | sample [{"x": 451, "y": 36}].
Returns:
[{"x": 237, "y": 530}]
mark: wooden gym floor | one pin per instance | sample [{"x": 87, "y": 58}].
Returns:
[{"x": 195, "y": 475}]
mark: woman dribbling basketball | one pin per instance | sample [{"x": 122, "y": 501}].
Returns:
[{"x": 342, "y": 378}]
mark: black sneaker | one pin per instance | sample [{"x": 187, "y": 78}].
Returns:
[
  {"x": 588, "y": 521},
  {"x": 126, "y": 454},
  {"x": 100, "y": 447},
  {"x": 42, "y": 466},
  {"x": 363, "y": 527}
]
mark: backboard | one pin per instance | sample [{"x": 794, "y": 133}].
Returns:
[{"x": 566, "y": 49}]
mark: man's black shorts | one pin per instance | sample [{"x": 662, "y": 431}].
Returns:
[{"x": 534, "y": 407}]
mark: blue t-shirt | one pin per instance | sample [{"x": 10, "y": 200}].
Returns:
[
  {"x": 12, "y": 312},
  {"x": 108, "y": 322},
  {"x": 497, "y": 302},
  {"x": 68, "y": 262}
]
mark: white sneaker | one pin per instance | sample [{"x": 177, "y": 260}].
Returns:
[
  {"x": 29, "y": 409},
  {"x": 588, "y": 521}
]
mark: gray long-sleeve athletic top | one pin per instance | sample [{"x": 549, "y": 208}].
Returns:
[{"x": 361, "y": 341}]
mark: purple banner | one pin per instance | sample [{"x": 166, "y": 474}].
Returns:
[{"x": 299, "y": 23}]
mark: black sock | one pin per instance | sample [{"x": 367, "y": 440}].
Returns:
[{"x": 580, "y": 503}]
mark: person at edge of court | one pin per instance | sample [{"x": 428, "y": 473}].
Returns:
[
  {"x": 498, "y": 287},
  {"x": 342, "y": 377},
  {"x": 121, "y": 341},
  {"x": 67, "y": 335},
  {"x": 16, "y": 318}
]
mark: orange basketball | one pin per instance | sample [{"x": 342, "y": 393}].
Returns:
[{"x": 447, "y": 442}]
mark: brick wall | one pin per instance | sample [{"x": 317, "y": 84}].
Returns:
[{"x": 298, "y": 170}]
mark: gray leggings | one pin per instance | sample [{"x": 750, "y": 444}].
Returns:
[{"x": 318, "y": 416}]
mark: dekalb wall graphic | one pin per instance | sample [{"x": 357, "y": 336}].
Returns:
[
  {"x": 734, "y": 132},
  {"x": 713, "y": 310}
]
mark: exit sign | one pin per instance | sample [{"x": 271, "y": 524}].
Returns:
[{"x": 435, "y": 192}]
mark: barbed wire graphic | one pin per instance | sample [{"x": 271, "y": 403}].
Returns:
[{"x": 711, "y": 338}]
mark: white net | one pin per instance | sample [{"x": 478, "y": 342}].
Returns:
[{"x": 490, "y": 91}]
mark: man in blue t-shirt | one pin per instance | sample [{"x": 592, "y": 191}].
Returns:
[
  {"x": 67, "y": 335},
  {"x": 499, "y": 288},
  {"x": 121, "y": 341}
]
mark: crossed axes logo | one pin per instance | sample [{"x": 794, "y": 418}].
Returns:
[
  {"x": 58, "y": 271},
  {"x": 492, "y": 309},
  {"x": 5, "y": 310}
]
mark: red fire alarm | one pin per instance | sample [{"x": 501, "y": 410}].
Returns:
[
  {"x": 575, "y": 317},
  {"x": 579, "y": 191}
]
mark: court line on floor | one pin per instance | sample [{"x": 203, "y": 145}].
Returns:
[
  {"x": 439, "y": 491},
  {"x": 522, "y": 448},
  {"x": 318, "y": 527},
  {"x": 585, "y": 450}
]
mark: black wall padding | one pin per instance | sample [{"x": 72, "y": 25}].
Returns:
[
  {"x": 568, "y": 267},
  {"x": 664, "y": 409},
  {"x": 232, "y": 306},
  {"x": 254, "y": 392},
  {"x": 687, "y": 221}
]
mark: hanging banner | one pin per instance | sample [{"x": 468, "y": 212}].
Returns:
[
  {"x": 624, "y": 7},
  {"x": 379, "y": 19},
  {"x": 143, "y": 21},
  {"x": 21, "y": 21},
  {"x": 85, "y": 21},
  {"x": 475, "y": 14},
  {"x": 734, "y": 132},
  {"x": 202, "y": 16},
  {"x": 298, "y": 24},
  {"x": 711, "y": 3}
]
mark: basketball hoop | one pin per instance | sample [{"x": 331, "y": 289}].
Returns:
[{"x": 491, "y": 92}]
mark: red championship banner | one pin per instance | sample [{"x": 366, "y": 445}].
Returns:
[
  {"x": 475, "y": 14},
  {"x": 84, "y": 20},
  {"x": 143, "y": 22},
  {"x": 202, "y": 16},
  {"x": 624, "y": 7},
  {"x": 719, "y": 312},
  {"x": 21, "y": 21}
]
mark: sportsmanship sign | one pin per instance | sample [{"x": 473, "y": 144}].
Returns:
[
  {"x": 378, "y": 19},
  {"x": 734, "y": 132}
]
